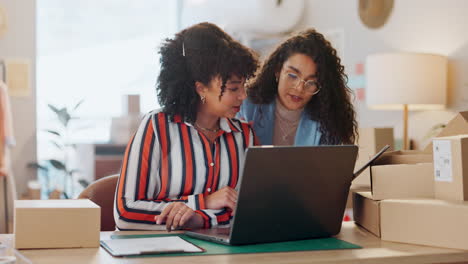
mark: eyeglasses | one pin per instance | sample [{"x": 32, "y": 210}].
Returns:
[{"x": 294, "y": 80}]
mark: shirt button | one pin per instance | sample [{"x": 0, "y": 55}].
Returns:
[
  {"x": 209, "y": 189},
  {"x": 211, "y": 164}
]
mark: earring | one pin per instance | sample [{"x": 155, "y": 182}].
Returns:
[
  {"x": 276, "y": 78},
  {"x": 203, "y": 99}
]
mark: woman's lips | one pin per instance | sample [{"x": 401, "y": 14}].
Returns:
[{"x": 295, "y": 99}]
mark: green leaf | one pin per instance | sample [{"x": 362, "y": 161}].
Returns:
[
  {"x": 78, "y": 104},
  {"x": 58, "y": 164},
  {"x": 53, "y": 108},
  {"x": 53, "y": 132},
  {"x": 37, "y": 166},
  {"x": 74, "y": 171},
  {"x": 62, "y": 114},
  {"x": 83, "y": 182},
  {"x": 64, "y": 117},
  {"x": 71, "y": 145},
  {"x": 56, "y": 144}
]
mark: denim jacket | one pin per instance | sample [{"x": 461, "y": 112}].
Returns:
[{"x": 263, "y": 118}]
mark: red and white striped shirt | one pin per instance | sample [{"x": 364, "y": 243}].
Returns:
[{"x": 168, "y": 161}]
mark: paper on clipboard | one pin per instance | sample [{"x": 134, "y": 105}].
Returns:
[{"x": 151, "y": 245}]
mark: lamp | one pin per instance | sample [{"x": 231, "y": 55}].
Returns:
[{"x": 407, "y": 81}]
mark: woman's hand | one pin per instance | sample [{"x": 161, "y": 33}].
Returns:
[
  {"x": 224, "y": 197},
  {"x": 179, "y": 215}
]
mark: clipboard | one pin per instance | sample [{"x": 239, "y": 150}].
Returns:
[
  {"x": 149, "y": 246},
  {"x": 375, "y": 157},
  {"x": 211, "y": 248}
]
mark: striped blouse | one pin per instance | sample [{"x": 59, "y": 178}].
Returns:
[{"x": 170, "y": 161}]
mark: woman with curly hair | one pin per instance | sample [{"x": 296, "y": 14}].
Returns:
[
  {"x": 300, "y": 96},
  {"x": 181, "y": 168}
]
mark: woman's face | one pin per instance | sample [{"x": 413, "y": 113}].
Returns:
[
  {"x": 297, "y": 81},
  {"x": 229, "y": 103}
]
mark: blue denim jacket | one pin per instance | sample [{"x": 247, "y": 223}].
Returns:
[{"x": 263, "y": 117}]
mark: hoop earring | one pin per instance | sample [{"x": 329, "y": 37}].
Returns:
[{"x": 203, "y": 99}]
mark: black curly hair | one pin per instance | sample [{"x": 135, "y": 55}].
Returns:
[
  {"x": 199, "y": 53},
  {"x": 332, "y": 106}
]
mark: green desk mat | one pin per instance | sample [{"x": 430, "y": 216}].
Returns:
[{"x": 212, "y": 248}]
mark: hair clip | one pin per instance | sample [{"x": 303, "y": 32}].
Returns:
[{"x": 183, "y": 49}]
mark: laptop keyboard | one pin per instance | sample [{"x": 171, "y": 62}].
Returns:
[{"x": 223, "y": 231}]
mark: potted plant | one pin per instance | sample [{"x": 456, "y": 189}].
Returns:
[{"x": 50, "y": 169}]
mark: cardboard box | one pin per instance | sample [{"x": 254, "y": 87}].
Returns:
[
  {"x": 426, "y": 222},
  {"x": 354, "y": 189},
  {"x": 402, "y": 174},
  {"x": 56, "y": 223},
  {"x": 366, "y": 212},
  {"x": 451, "y": 168},
  {"x": 457, "y": 126},
  {"x": 370, "y": 141}
]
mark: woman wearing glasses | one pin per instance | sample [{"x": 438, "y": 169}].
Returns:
[
  {"x": 300, "y": 95},
  {"x": 182, "y": 166}
]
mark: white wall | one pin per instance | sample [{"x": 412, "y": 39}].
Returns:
[
  {"x": 20, "y": 42},
  {"x": 419, "y": 26}
]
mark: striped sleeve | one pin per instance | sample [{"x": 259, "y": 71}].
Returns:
[
  {"x": 142, "y": 190},
  {"x": 215, "y": 218}
]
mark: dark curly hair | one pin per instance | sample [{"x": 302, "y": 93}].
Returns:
[
  {"x": 198, "y": 53},
  {"x": 331, "y": 107}
]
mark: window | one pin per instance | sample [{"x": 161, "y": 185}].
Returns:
[{"x": 98, "y": 51}]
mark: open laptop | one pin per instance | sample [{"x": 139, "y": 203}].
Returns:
[{"x": 288, "y": 193}]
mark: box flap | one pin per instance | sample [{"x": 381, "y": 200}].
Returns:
[
  {"x": 456, "y": 126},
  {"x": 461, "y": 136},
  {"x": 366, "y": 194},
  {"x": 403, "y": 157},
  {"x": 52, "y": 204}
]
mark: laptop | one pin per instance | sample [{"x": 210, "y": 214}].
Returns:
[{"x": 288, "y": 193}]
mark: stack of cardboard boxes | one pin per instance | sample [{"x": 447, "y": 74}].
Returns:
[
  {"x": 370, "y": 141},
  {"x": 420, "y": 197}
]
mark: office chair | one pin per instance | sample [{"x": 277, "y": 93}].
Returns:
[{"x": 102, "y": 192}]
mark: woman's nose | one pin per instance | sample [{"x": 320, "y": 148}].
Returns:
[{"x": 243, "y": 94}]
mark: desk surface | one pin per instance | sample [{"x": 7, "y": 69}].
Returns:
[{"x": 374, "y": 251}]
